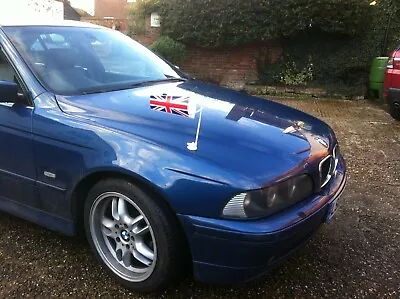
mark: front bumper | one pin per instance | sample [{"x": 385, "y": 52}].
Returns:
[
  {"x": 228, "y": 251},
  {"x": 393, "y": 94}
]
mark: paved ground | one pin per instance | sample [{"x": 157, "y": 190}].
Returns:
[{"x": 356, "y": 255}]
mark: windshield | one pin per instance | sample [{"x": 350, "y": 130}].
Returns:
[{"x": 72, "y": 60}]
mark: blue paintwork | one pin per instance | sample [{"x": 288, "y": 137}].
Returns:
[
  {"x": 232, "y": 251},
  {"x": 241, "y": 147}
]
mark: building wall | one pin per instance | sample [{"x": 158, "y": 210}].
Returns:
[
  {"x": 117, "y": 24},
  {"x": 31, "y": 10},
  {"x": 228, "y": 66},
  {"x": 111, "y": 8},
  {"x": 150, "y": 35},
  {"x": 69, "y": 12}
]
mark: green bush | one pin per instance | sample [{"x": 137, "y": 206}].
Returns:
[
  {"x": 335, "y": 58},
  {"x": 292, "y": 75},
  {"x": 169, "y": 49},
  {"x": 340, "y": 36},
  {"x": 216, "y": 23}
]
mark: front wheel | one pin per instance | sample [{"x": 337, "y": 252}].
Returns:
[{"x": 133, "y": 235}]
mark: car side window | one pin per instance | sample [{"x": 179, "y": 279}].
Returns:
[{"x": 7, "y": 72}]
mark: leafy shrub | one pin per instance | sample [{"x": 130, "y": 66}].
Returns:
[
  {"x": 334, "y": 58},
  {"x": 293, "y": 76},
  {"x": 215, "y": 23},
  {"x": 169, "y": 49}
]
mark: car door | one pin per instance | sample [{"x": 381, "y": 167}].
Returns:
[{"x": 17, "y": 168}]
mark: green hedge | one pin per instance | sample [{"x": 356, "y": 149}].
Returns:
[
  {"x": 323, "y": 40},
  {"x": 216, "y": 23},
  {"x": 169, "y": 49}
]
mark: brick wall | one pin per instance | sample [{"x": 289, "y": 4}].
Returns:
[
  {"x": 230, "y": 66},
  {"x": 111, "y": 14},
  {"x": 150, "y": 35},
  {"x": 118, "y": 24}
]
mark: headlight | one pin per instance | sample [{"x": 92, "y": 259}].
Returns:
[{"x": 265, "y": 202}]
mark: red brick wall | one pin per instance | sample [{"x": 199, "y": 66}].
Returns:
[
  {"x": 150, "y": 35},
  {"x": 119, "y": 24},
  {"x": 228, "y": 66},
  {"x": 231, "y": 66},
  {"x": 111, "y": 8}
]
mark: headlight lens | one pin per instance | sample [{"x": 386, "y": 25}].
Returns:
[{"x": 265, "y": 202}]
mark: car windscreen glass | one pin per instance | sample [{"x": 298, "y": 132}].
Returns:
[{"x": 73, "y": 60}]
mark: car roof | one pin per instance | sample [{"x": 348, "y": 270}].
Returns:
[{"x": 49, "y": 23}]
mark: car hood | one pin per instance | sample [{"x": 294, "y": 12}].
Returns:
[{"x": 257, "y": 138}]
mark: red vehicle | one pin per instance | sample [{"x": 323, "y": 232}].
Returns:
[{"x": 392, "y": 84}]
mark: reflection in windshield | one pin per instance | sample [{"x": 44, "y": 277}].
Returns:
[{"x": 72, "y": 60}]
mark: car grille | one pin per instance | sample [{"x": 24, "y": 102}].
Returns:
[{"x": 327, "y": 167}]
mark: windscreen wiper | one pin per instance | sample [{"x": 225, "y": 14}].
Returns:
[
  {"x": 133, "y": 85},
  {"x": 153, "y": 82}
]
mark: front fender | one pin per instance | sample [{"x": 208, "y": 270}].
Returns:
[
  {"x": 72, "y": 148},
  {"x": 190, "y": 186}
]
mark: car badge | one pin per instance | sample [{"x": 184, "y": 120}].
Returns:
[{"x": 49, "y": 174}]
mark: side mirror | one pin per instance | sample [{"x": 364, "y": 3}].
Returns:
[{"x": 8, "y": 92}]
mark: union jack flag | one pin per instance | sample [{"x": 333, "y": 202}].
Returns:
[{"x": 170, "y": 104}]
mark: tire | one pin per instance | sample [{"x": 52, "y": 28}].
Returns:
[
  {"x": 394, "y": 109},
  {"x": 134, "y": 236}
]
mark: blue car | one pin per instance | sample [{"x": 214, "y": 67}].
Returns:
[{"x": 163, "y": 173}]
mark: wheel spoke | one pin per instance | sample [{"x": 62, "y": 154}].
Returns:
[
  {"x": 127, "y": 257},
  {"x": 134, "y": 222},
  {"x": 107, "y": 227},
  {"x": 124, "y": 213},
  {"x": 141, "y": 258},
  {"x": 114, "y": 209},
  {"x": 107, "y": 232},
  {"x": 107, "y": 222},
  {"x": 140, "y": 231},
  {"x": 119, "y": 247},
  {"x": 122, "y": 209},
  {"x": 144, "y": 250}
]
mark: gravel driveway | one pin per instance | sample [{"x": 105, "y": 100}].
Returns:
[{"x": 356, "y": 255}]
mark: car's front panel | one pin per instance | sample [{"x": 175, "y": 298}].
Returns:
[{"x": 238, "y": 250}]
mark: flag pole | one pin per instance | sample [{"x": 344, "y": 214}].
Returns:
[{"x": 192, "y": 146}]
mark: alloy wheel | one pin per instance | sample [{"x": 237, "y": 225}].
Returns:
[{"x": 123, "y": 236}]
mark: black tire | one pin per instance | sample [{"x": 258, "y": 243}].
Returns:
[
  {"x": 394, "y": 109},
  {"x": 170, "y": 261}
]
